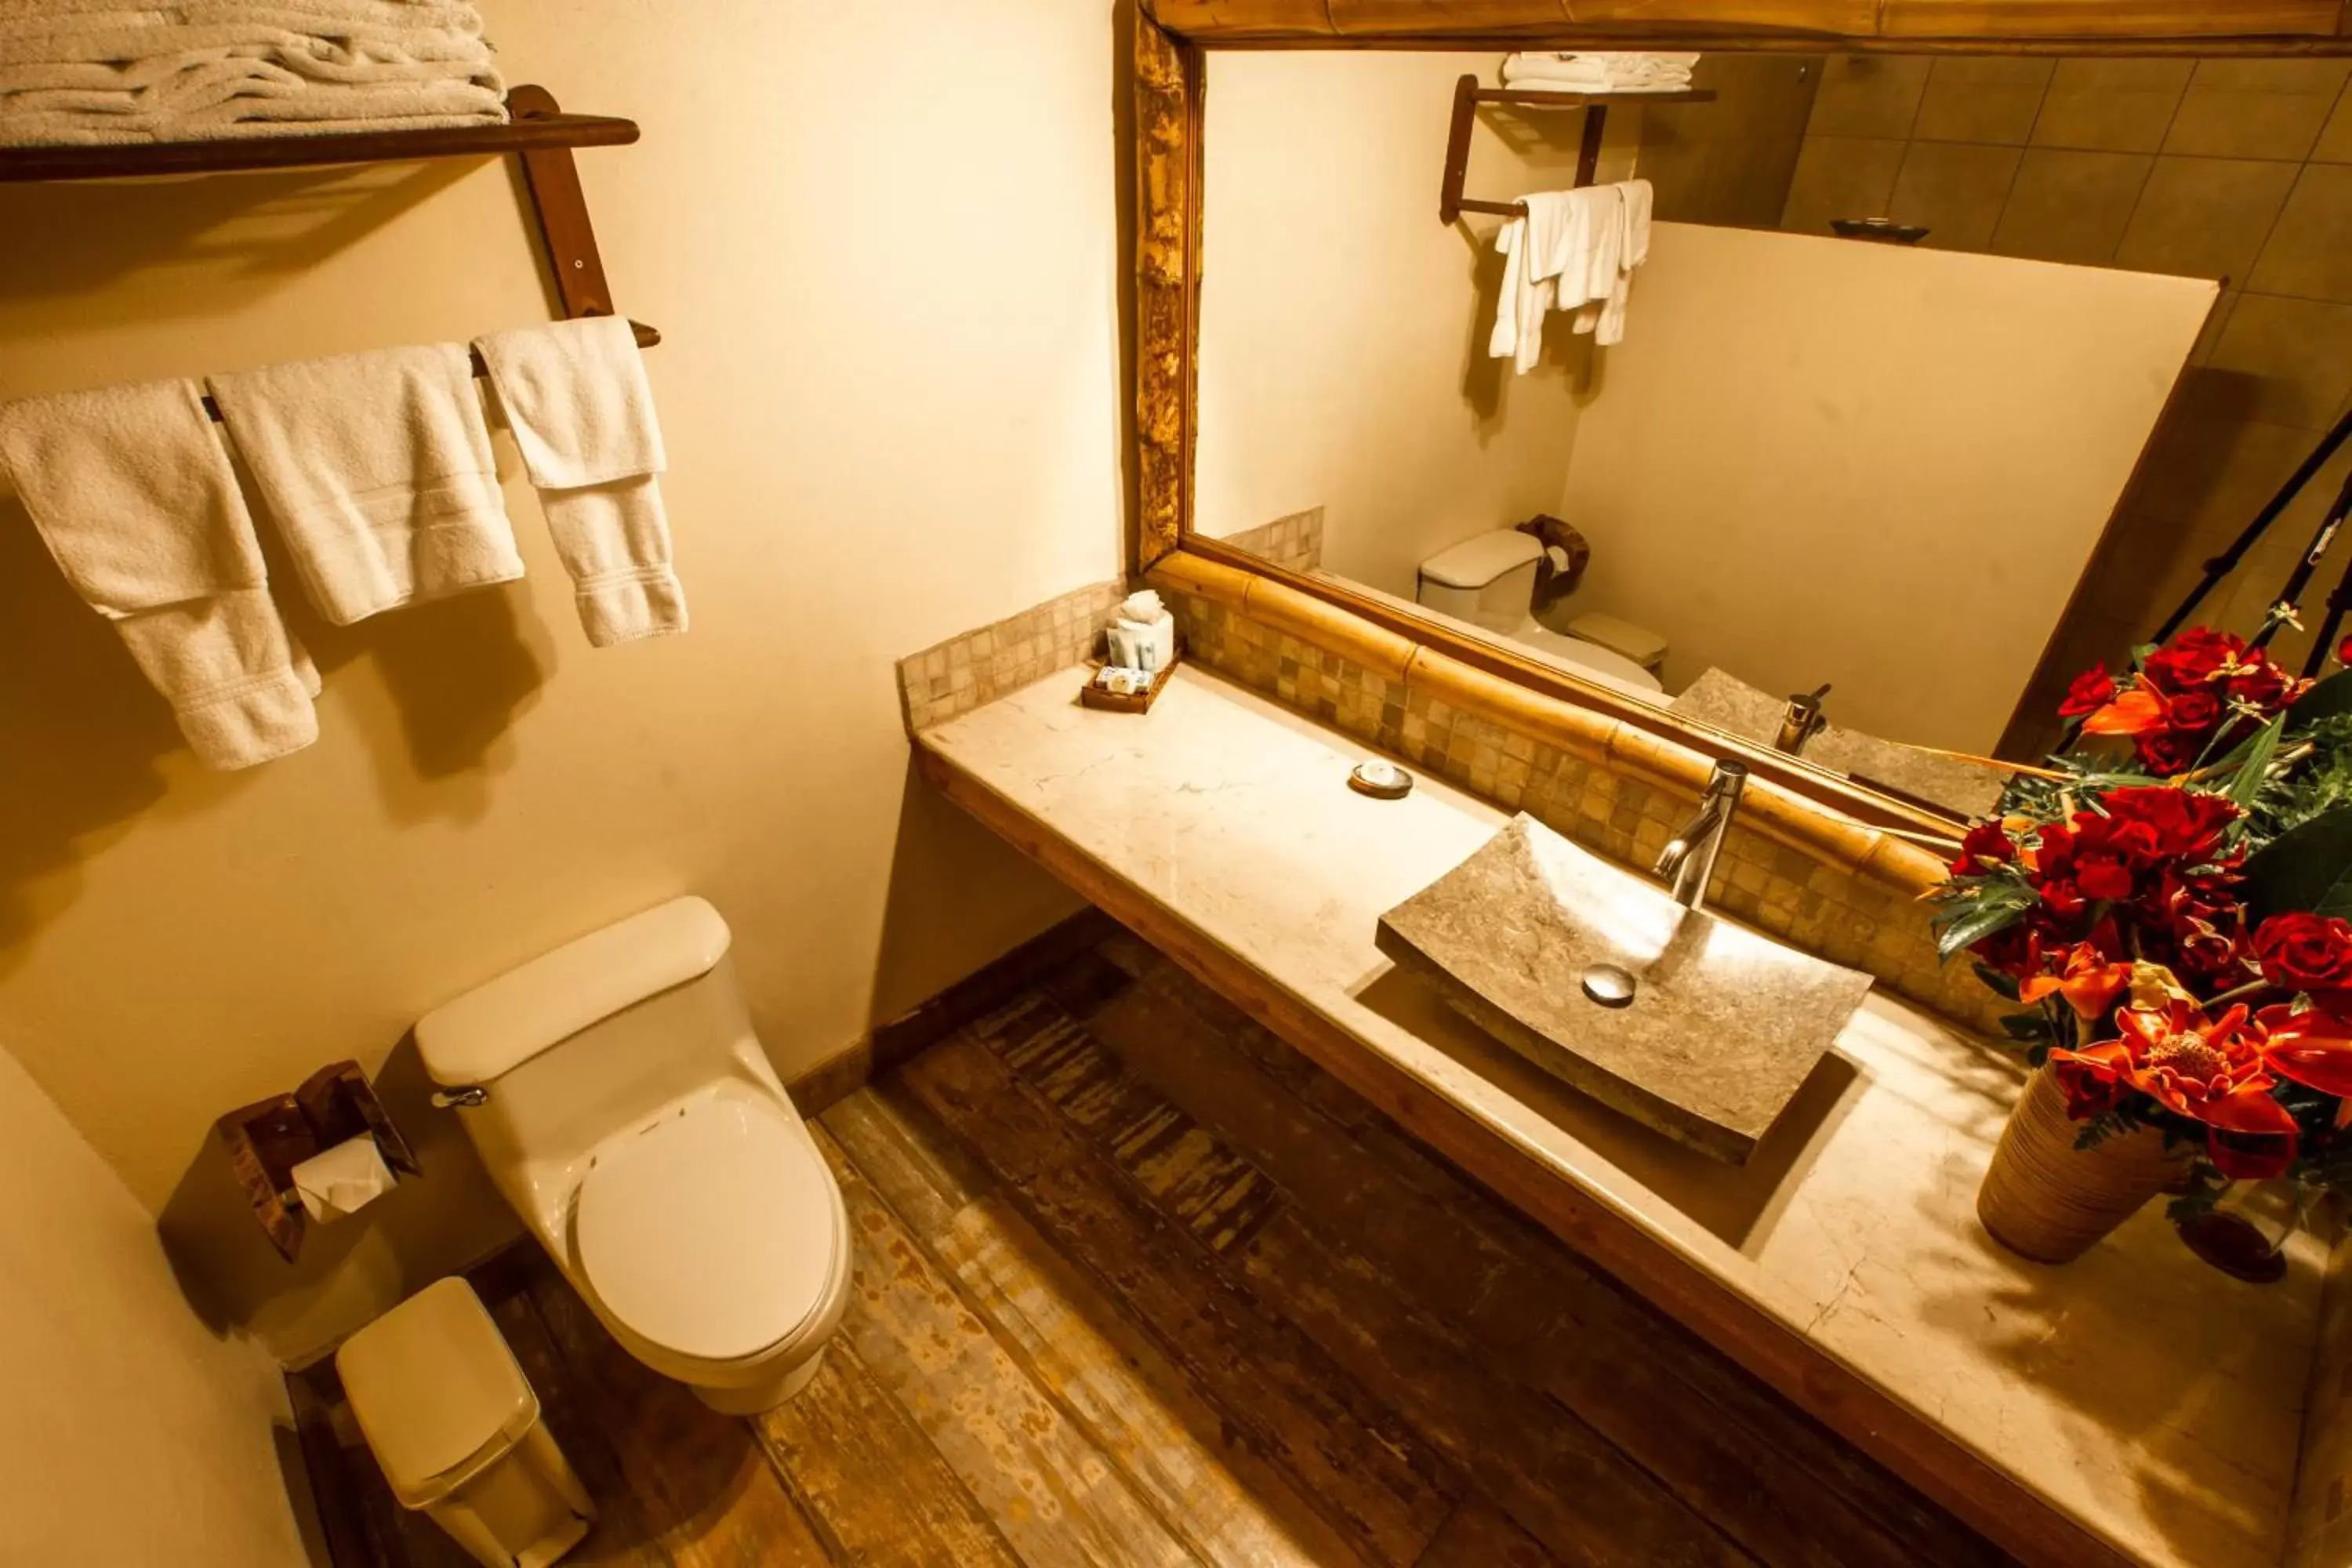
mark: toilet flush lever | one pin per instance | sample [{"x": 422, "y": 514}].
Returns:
[{"x": 464, "y": 1098}]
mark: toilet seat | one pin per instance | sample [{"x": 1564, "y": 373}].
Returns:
[
  {"x": 1589, "y": 655},
  {"x": 710, "y": 1233}
]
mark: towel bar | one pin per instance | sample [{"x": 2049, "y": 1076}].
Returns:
[
  {"x": 537, "y": 132},
  {"x": 1469, "y": 95},
  {"x": 646, "y": 338}
]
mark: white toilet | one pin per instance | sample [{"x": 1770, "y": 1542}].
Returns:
[
  {"x": 625, "y": 1108},
  {"x": 1489, "y": 581}
]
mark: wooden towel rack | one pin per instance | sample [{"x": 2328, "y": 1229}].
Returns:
[
  {"x": 537, "y": 132},
  {"x": 1469, "y": 95}
]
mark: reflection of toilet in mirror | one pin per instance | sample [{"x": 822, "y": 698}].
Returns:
[
  {"x": 1489, "y": 581},
  {"x": 626, "y": 1110}
]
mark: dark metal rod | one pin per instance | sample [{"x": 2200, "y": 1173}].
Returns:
[
  {"x": 2221, "y": 565},
  {"x": 2300, "y": 578}
]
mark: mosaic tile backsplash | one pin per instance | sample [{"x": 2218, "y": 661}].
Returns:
[
  {"x": 1295, "y": 541},
  {"x": 1824, "y": 909},
  {"x": 968, "y": 671}
]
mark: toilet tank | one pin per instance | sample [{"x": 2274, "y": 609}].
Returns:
[
  {"x": 1489, "y": 579},
  {"x": 597, "y": 1038}
]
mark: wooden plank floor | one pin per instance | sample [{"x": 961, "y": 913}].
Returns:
[{"x": 1137, "y": 1284}]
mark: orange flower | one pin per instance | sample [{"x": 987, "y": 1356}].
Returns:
[
  {"x": 2208, "y": 1071},
  {"x": 2310, "y": 1046},
  {"x": 2087, "y": 979},
  {"x": 2133, "y": 712}
]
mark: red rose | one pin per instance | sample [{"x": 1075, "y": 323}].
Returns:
[
  {"x": 2093, "y": 689},
  {"x": 2192, "y": 659},
  {"x": 2344, "y": 651},
  {"x": 2263, "y": 684},
  {"x": 2166, "y": 753},
  {"x": 2301, "y": 952},
  {"x": 2182, "y": 823},
  {"x": 2194, "y": 712},
  {"x": 1985, "y": 846}
]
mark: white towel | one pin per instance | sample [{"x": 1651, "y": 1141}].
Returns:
[
  {"x": 133, "y": 495},
  {"x": 583, "y": 412},
  {"x": 93, "y": 74},
  {"x": 1550, "y": 261},
  {"x": 1610, "y": 284},
  {"x": 1598, "y": 71},
  {"x": 376, "y": 468}
]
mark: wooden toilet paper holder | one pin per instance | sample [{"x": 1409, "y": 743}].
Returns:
[{"x": 268, "y": 1137}]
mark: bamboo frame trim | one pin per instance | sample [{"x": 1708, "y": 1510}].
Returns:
[{"x": 1770, "y": 807}]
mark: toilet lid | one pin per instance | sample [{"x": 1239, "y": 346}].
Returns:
[{"x": 710, "y": 1233}]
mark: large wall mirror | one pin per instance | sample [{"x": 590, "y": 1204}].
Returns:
[{"x": 1940, "y": 377}]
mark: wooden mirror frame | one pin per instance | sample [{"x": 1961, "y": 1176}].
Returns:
[{"x": 1171, "y": 37}]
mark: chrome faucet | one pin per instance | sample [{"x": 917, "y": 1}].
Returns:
[
  {"x": 1688, "y": 857},
  {"x": 1801, "y": 721}
]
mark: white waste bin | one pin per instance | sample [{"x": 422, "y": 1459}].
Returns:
[{"x": 455, "y": 1425}]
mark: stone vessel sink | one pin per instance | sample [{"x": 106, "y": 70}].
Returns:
[{"x": 1725, "y": 1023}]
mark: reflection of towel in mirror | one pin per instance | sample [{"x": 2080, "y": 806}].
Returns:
[
  {"x": 1626, "y": 246},
  {"x": 1598, "y": 71},
  {"x": 1551, "y": 258},
  {"x": 582, "y": 414},
  {"x": 132, "y": 492}
]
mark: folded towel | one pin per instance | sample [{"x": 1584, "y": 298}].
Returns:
[
  {"x": 583, "y": 412},
  {"x": 227, "y": 68},
  {"x": 1600, "y": 72},
  {"x": 376, "y": 468},
  {"x": 132, "y": 493}
]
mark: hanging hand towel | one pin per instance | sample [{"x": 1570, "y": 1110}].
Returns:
[
  {"x": 376, "y": 468},
  {"x": 132, "y": 492},
  {"x": 577, "y": 395},
  {"x": 1551, "y": 258},
  {"x": 1611, "y": 283}
]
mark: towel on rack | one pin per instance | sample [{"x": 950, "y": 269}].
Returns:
[
  {"x": 1598, "y": 71},
  {"x": 376, "y": 468},
  {"x": 1551, "y": 261},
  {"x": 112, "y": 73},
  {"x": 583, "y": 412},
  {"x": 1626, "y": 246},
  {"x": 132, "y": 492}
]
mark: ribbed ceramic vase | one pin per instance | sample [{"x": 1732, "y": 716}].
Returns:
[{"x": 2045, "y": 1199}]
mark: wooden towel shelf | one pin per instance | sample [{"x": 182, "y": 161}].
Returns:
[
  {"x": 537, "y": 132},
  {"x": 1469, "y": 95}
]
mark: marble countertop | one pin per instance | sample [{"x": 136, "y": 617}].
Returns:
[{"x": 2148, "y": 1399}]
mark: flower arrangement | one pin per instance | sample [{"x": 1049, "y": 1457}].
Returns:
[{"x": 2172, "y": 918}]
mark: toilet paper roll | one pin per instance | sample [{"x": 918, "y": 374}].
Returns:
[
  {"x": 1557, "y": 557},
  {"x": 348, "y": 1176}
]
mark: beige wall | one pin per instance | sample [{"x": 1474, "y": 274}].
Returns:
[
  {"x": 1343, "y": 334},
  {"x": 886, "y": 279},
  {"x": 130, "y": 1436},
  {"x": 1822, "y": 460},
  {"x": 2234, "y": 169}
]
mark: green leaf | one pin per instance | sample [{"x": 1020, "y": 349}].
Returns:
[
  {"x": 1972, "y": 922},
  {"x": 2306, "y": 867},
  {"x": 2324, "y": 700},
  {"x": 2247, "y": 787},
  {"x": 1999, "y": 985}
]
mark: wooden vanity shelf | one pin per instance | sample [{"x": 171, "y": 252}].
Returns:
[
  {"x": 537, "y": 132},
  {"x": 1469, "y": 95}
]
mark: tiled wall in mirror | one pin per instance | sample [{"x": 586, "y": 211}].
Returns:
[{"x": 1881, "y": 464}]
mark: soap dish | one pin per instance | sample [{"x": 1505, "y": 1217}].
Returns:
[{"x": 1093, "y": 696}]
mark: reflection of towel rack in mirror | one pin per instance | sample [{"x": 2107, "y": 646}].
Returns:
[
  {"x": 537, "y": 132},
  {"x": 1469, "y": 95}
]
